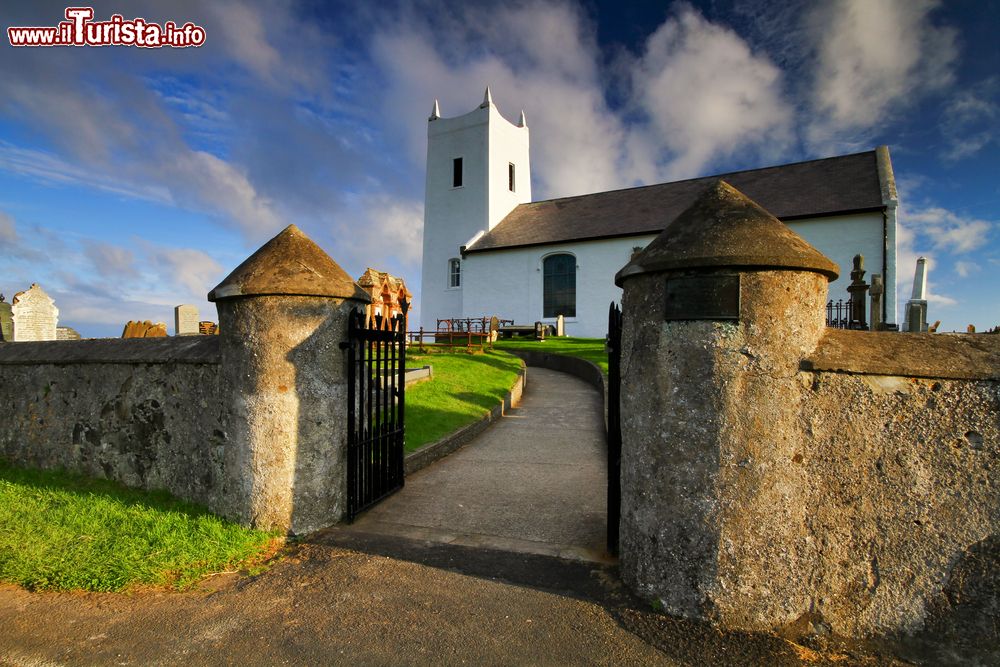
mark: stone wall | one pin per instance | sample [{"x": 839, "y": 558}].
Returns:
[
  {"x": 810, "y": 477},
  {"x": 144, "y": 412},
  {"x": 252, "y": 422}
]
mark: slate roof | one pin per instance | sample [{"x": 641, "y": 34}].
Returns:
[{"x": 830, "y": 186}]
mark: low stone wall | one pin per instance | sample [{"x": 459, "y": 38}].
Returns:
[
  {"x": 144, "y": 412},
  {"x": 435, "y": 451},
  {"x": 898, "y": 475},
  {"x": 581, "y": 368}
]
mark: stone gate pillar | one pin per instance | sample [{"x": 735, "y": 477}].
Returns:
[
  {"x": 282, "y": 314},
  {"x": 718, "y": 312}
]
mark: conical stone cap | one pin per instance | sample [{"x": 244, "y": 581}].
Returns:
[
  {"x": 725, "y": 228},
  {"x": 290, "y": 264}
]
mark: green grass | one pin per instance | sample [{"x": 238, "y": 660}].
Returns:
[
  {"x": 591, "y": 349},
  {"x": 60, "y": 531},
  {"x": 464, "y": 388}
]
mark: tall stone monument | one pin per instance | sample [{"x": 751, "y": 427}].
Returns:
[
  {"x": 35, "y": 315},
  {"x": 186, "y": 320},
  {"x": 6, "y": 321},
  {"x": 915, "y": 316}
]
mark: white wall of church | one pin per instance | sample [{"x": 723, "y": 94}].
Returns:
[
  {"x": 841, "y": 238},
  {"x": 508, "y": 283}
]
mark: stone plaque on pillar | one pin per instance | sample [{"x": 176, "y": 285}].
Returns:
[
  {"x": 703, "y": 297},
  {"x": 186, "y": 320}
]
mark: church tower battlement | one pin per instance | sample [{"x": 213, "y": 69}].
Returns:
[{"x": 478, "y": 171}]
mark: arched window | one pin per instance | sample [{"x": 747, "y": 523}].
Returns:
[
  {"x": 559, "y": 288},
  {"x": 454, "y": 272}
]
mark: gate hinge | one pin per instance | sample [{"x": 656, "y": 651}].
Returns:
[{"x": 344, "y": 344}]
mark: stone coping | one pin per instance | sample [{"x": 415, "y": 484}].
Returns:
[
  {"x": 172, "y": 349},
  {"x": 925, "y": 355},
  {"x": 439, "y": 449}
]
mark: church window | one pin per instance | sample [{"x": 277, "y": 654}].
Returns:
[
  {"x": 510, "y": 176},
  {"x": 559, "y": 288},
  {"x": 456, "y": 172},
  {"x": 454, "y": 273}
]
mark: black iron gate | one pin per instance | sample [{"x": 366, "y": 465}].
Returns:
[
  {"x": 376, "y": 362},
  {"x": 614, "y": 425}
]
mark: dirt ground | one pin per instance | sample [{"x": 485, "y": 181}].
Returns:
[{"x": 326, "y": 603}]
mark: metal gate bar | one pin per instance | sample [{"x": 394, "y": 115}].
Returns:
[
  {"x": 376, "y": 361},
  {"x": 614, "y": 425}
]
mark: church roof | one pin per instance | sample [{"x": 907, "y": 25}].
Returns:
[
  {"x": 725, "y": 228},
  {"x": 830, "y": 186}
]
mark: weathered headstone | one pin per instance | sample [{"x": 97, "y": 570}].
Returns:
[
  {"x": 207, "y": 328},
  {"x": 145, "y": 329},
  {"x": 186, "y": 320},
  {"x": 857, "y": 290},
  {"x": 876, "y": 292},
  {"x": 34, "y": 314},
  {"x": 560, "y": 326},
  {"x": 6, "y": 321},
  {"x": 67, "y": 333}
]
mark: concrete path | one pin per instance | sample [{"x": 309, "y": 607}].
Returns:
[{"x": 535, "y": 482}]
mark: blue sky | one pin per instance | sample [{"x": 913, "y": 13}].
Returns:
[{"x": 132, "y": 180}]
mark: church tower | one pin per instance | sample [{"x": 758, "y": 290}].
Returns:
[{"x": 477, "y": 172}]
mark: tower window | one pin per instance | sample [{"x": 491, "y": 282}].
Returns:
[
  {"x": 559, "y": 286},
  {"x": 456, "y": 173},
  {"x": 510, "y": 176},
  {"x": 454, "y": 272}
]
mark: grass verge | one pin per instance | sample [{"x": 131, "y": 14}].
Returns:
[
  {"x": 60, "y": 531},
  {"x": 465, "y": 387},
  {"x": 591, "y": 349}
]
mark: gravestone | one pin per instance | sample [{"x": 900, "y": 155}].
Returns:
[
  {"x": 208, "y": 328},
  {"x": 35, "y": 315},
  {"x": 560, "y": 326},
  {"x": 145, "y": 329},
  {"x": 6, "y": 321},
  {"x": 186, "y": 320},
  {"x": 67, "y": 333}
]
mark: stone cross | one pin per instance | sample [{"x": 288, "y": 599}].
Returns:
[
  {"x": 35, "y": 315},
  {"x": 876, "y": 292},
  {"x": 6, "y": 321},
  {"x": 186, "y": 320}
]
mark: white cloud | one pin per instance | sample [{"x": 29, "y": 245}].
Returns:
[
  {"x": 970, "y": 119},
  {"x": 192, "y": 272},
  {"x": 707, "y": 95},
  {"x": 8, "y": 229},
  {"x": 966, "y": 269},
  {"x": 873, "y": 58},
  {"x": 111, "y": 261},
  {"x": 946, "y": 230}
]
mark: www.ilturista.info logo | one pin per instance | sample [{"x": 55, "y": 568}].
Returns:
[{"x": 80, "y": 30}]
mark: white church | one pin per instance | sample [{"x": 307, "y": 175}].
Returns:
[{"x": 490, "y": 250}]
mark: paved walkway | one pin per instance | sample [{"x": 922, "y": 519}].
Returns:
[{"x": 535, "y": 482}]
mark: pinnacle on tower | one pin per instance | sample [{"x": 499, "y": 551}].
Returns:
[
  {"x": 487, "y": 99},
  {"x": 435, "y": 112},
  {"x": 522, "y": 122}
]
